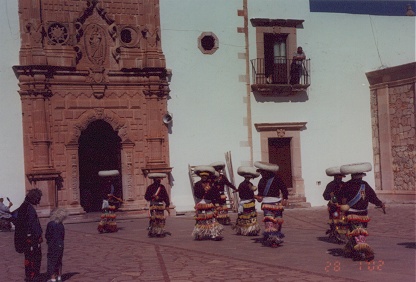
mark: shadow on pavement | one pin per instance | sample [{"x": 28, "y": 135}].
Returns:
[
  {"x": 327, "y": 239},
  {"x": 67, "y": 276},
  {"x": 44, "y": 276},
  {"x": 409, "y": 245},
  {"x": 336, "y": 252}
]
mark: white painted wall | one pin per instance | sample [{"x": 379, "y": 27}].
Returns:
[
  {"x": 342, "y": 49},
  {"x": 207, "y": 98}
]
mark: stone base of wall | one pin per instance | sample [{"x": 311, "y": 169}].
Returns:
[
  {"x": 402, "y": 197},
  {"x": 297, "y": 201},
  {"x": 46, "y": 211}
]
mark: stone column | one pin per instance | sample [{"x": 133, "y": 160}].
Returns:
[
  {"x": 298, "y": 182},
  {"x": 71, "y": 187},
  {"x": 386, "y": 158},
  {"x": 130, "y": 187},
  {"x": 41, "y": 142}
]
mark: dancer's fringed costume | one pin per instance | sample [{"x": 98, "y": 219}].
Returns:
[
  {"x": 206, "y": 196},
  {"x": 270, "y": 186},
  {"x": 337, "y": 227},
  {"x": 206, "y": 225},
  {"x": 158, "y": 197},
  {"x": 247, "y": 224},
  {"x": 273, "y": 212},
  {"x": 357, "y": 234},
  {"x": 358, "y": 195},
  {"x": 108, "y": 218},
  {"x": 222, "y": 212},
  {"x": 157, "y": 219},
  {"x": 220, "y": 181},
  {"x": 108, "y": 215}
]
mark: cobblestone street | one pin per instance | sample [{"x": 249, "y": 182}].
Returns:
[{"x": 306, "y": 254}]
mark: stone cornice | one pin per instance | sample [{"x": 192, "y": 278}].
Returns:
[
  {"x": 276, "y": 22},
  {"x": 393, "y": 83},
  {"x": 72, "y": 71},
  {"x": 40, "y": 79},
  {"x": 280, "y": 125},
  {"x": 392, "y": 74}
]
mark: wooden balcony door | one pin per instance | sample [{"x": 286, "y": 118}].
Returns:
[{"x": 275, "y": 56}]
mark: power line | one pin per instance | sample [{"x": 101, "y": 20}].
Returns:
[{"x": 376, "y": 43}]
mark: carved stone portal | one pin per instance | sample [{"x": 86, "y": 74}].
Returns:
[{"x": 93, "y": 92}]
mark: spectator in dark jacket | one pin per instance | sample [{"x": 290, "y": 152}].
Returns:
[{"x": 28, "y": 235}]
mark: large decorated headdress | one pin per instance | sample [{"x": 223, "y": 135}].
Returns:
[
  {"x": 248, "y": 172},
  {"x": 266, "y": 166}
]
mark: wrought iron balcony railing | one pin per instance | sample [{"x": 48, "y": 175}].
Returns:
[{"x": 282, "y": 72}]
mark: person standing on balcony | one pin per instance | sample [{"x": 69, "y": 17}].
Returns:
[{"x": 296, "y": 66}]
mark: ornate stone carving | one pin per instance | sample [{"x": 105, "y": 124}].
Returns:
[
  {"x": 95, "y": 44},
  {"x": 99, "y": 114},
  {"x": 281, "y": 132},
  {"x": 94, "y": 35},
  {"x": 129, "y": 36},
  {"x": 67, "y": 54},
  {"x": 97, "y": 75},
  {"x": 78, "y": 51},
  {"x": 74, "y": 176},
  {"x": 129, "y": 165},
  {"x": 57, "y": 34},
  {"x": 152, "y": 37},
  {"x": 35, "y": 29},
  {"x": 116, "y": 53},
  {"x": 159, "y": 89}
]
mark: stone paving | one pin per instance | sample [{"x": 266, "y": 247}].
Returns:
[{"x": 306, "y": 254}]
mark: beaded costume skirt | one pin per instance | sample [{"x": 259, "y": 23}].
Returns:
[
  {"x": 247, "y": 224},
  {"x": 108, "y": 220},
  {"x": 357, "y": 246},
  {"x": 273, "y": 212},
  {"x": 157, "y": 219},
  {"x": 206, "y": 224}
]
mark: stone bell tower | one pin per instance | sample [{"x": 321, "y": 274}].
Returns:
[{"x": 93, "y": 86}]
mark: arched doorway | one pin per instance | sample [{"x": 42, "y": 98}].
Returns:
[{"x": 99, "y": 149}]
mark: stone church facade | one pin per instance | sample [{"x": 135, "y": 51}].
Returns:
[{"x": 94, "y": 87}]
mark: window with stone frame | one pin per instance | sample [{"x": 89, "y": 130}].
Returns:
[{"x": 276, "y": 43}]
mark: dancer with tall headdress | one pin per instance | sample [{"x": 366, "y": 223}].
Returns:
[
  {"x": 220, "y": 181},
  {"x": 332, "y": 193},
  {"x": 356, "y": 195},
  {"x": 273, "y": 195},
  {"x": 158, "y": 198},
  {"x": 206, "y": 196},
  {"x": 110, "y": 203},
  {"x": 247, "y": 224}
]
